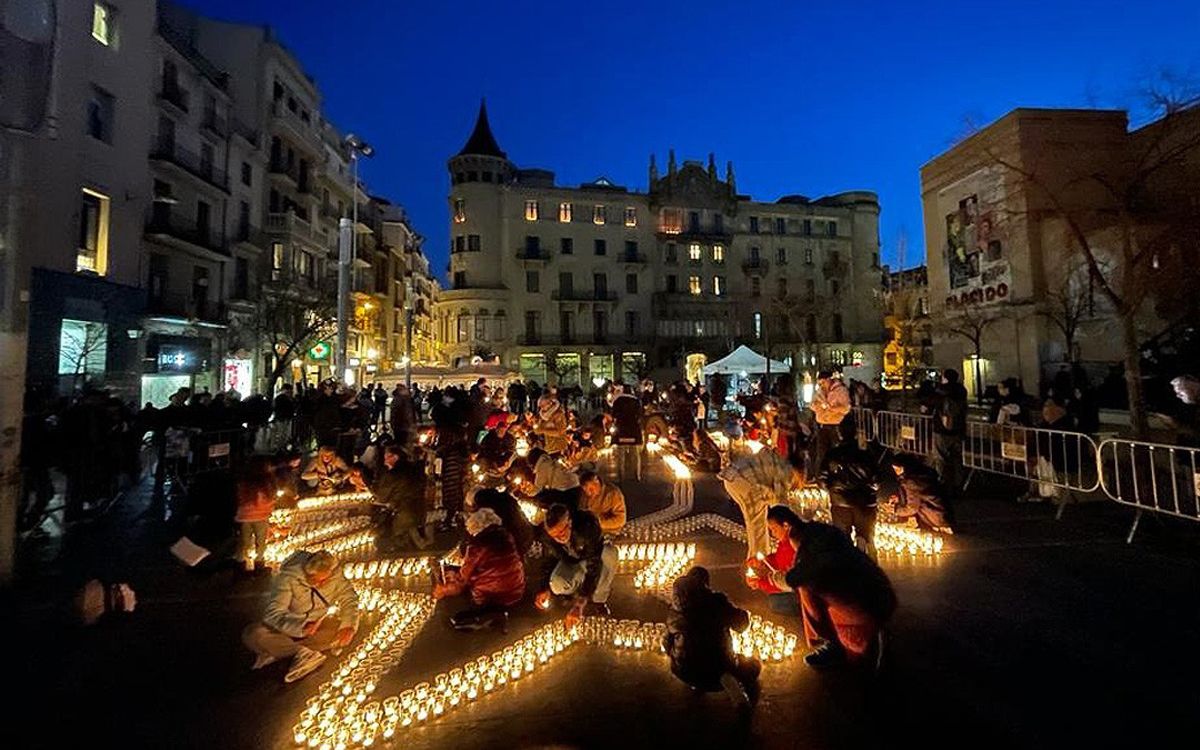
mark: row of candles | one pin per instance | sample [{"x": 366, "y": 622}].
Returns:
[
  {"x": 316, "y": 536},
  {"x": 766, "y": 640},
  {"x": 339, "y": 500},
  {"x": 900, "y": 539},
  {"x": 400, "y": 567},
  {"x": 689, "y": 525}
]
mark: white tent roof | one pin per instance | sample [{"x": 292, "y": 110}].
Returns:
[{"x": 743, "y": 359}]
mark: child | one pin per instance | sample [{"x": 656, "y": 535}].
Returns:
[{"x": 699, "y": 644}]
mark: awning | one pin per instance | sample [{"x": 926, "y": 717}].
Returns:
[{"x": 743, "y": 359}]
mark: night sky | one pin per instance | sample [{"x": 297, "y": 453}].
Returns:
[{"x": 808, "y": 98}]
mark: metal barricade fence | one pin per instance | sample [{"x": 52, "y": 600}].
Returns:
[
  {"x": 1151, "y": 477},
  {"x": 864, "y": 424},
  {"x": 1055, "y": 459},
  {"x": 906, "y": 433}
]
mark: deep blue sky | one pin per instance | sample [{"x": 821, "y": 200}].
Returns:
[{"x": 809, "y": 98}]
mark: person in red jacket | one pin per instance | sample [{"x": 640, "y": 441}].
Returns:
[
  {"x": 780, "y": 522},
  {"x": 492, "y": 573}
]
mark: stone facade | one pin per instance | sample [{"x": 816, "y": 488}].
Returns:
[{"x": 603, "y": 281}]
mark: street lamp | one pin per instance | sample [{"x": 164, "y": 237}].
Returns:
[{"x": 348, "y": 247}]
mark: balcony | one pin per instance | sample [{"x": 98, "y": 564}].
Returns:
[
  {"x": 215, "y": 124},
  {"x": 755, "y": 266},
  {"x": 533, "y": 254},
  {"x": 289, "y": 223},
  {"x": 190, "y": 162},
  {"x": 175, "y": 95},
  {"x": 583, "y": 295},
  {"x": 304, "y": 133},
  {"x": 168, "y": 226},
  {"x": 289, "y": 172},
  {"x": 632, "y": 258},
  {"x": 186, "y": 307}
]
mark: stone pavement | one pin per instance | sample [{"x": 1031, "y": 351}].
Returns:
[{"x": 1028, "y": 632}]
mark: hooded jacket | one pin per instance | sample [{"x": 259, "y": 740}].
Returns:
[
  {"x": 829, "y": 565},
  {"x": 627, "y": 420},
  {"x": 295, "y": 602},
  {"x": 698, "y": 638},
  {"x": 492, "y": 570},
  {"x": 850, "y": 477}
]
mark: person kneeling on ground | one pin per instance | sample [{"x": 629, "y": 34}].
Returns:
[
  {"x": 603, "y": 499},
  {"x": 327, "y": 472},
  {"x": 699, "y": 644},
  {"x": 845, "y": 597},
  {"x": 920, "y": 495},
  {"x": 852, "y": 481},
  {"x": 400, "y": 491},
  {"x": 762, "y": 573},
  {"x": 585, "y": 567},
  {"x": 312, "y": 609},
  {"x": 492, "y": 573}
]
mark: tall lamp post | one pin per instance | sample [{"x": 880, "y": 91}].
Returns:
[
  {"x": 408, "y": 325},
  {"x": 348, "y": 251}
]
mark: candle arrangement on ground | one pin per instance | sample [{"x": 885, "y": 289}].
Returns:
[
  {"x": 688, "y": 525},
  {"x": 396, "y": 568},
  {"x": 901, "y": 539},
  {"x": 334, "y": 535},
  {"x": 765, "y": 640},
  {"x": 329, "y": 502}
]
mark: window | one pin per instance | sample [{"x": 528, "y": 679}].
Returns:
[
  {"x": 304, "y": 264},
  {"x": 600, "y": 325},
  {"x": 599, "y": 214},
  {"x": 670, "y": 221},
  {"x": 631, "y": 216},
  {"x": 82, "y": 347},
  {"x": 631, "y": 250},
  {"x": 781, "y": 255},
  {"x": 460, "y": 243},
  {"x": 719, "y": 286},
  {"x": 835, "y": 257},
  {"x": 754, "y": 225},
  {"x": 671, "y": 256},
  {"x": 206, "y": 160},
  {"x": 632, "y": 324},
  {"x": 276, "y": 260},
  {"x": 473, "y": 243},
  {"x": 460, "y": 210},
  {"x": 531, "y": 210},
  {"x": 755, "y": 286},
  {"x": 600, "y": 285},
  {"x": 833, "y": 287},
  {"x": 754, "y": 255},
  {"x": 243, "y": 230},
  {"x": 566, "y": 326},
  {"x": 758, "y": 325},
  {"x": 631, "y": 284},
  {"x": 719, "y": 223},
  {"x": 837, "y": 356},
  {"x": 532, "y": 282},
  {"x": 566, "y": 284},
  {"x": 831, "y": 228},
  {"x": 487, "y": 176},
  {"x": 601, "y": 247},
  {"x": 200, "y": 291},
  {"x": 564, "y": 213},
  {"x": 694, "y": 252},
  {"x": 783, "y": 289},
  {"x": 481, "y": 328},
  {"x": 837, "y": 327},
  {"x": 248, "y": 174},
  {"x": 103, "y": 23},
  {"x": 158, "y": 278},
  {"x": 923, "y": 306},
  {"x": 92, "y": 254},
  {"x": 810, "y": 290},
  {"x": 718, "y": 254},
  {"x": 533, "y": 327},
  {"x": 808, "y": 255},
  {"x": 100, "y": 115},
  {"x": 808, "y": 226},
  {"x": 472, "y": 176},
  {"x": 780, "y": 226},
  {"x": 460, "y": 279},
  {"x": 694, "y": 287},
  {"x": 464, "y": 328},
  {"x": 693, "y": 221},
  {"x": 241, "y": 279},
  {"x": 567, "y": 246},
  {"x": 672, "y": 284},
  {"x": 203, "y": 221}
]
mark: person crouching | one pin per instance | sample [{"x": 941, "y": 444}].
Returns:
[
  {"x": 699, "y": 643},
  {"x": 492, "y": 573}
]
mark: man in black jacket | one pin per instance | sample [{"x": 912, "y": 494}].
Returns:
[
  {"x": 949, "y": 429},
  {"x": 852, "y": 480},
  {"x": 400, "y": 489},
  {"x": 586, "y": 565},
  {"x": 627, "y": 435}
]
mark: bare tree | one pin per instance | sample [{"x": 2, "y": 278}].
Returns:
[
  {"x": 289, "y": 319},
  {"x": 970, "y": 323},
  {"x": 81, "y": 347},
  {"x": 1130, "y": 216},
  {"x": 1069, "y": 302},
  {"x": 905, "y": 320},
  {"x": 788, "y": 324}
]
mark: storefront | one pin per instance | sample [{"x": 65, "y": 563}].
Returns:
[{"x": 173, "y": 362}]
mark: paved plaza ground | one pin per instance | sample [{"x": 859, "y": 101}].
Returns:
[{"x": 1026, "y": 632}]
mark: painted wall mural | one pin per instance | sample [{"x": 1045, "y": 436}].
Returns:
[{"x": 975, "y": 252}]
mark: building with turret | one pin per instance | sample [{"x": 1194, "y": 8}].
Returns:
[{"x": 577, "y": 283}]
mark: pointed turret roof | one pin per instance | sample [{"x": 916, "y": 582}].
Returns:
[{"x": 482, "y": 142}]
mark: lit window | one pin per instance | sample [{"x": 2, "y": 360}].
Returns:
[
  {"x": 460, "y": 210},
  {"x": 671, "y": 221},
  {"x": 102, "y": 23},
  {"x": 531, "y": 210},
  {"x": 694, "y": 252},
  {"x": 276, "y": 259},
  {"x": 599, "y": 214},
  {"x": 564, "y": 212},
  {"x": 694, "y": 287},
  {"x": 92, "y": 254},
  {"x": 82, "y": 347},
  {"x": 718, "y": 253},
  {"x": 631, "y": 217},
  {"x": 718, "y": 285},
  {"x": 758, "y": 325}
]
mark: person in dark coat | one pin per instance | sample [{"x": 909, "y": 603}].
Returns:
[
  {"x": 403, "y": 416},
  {"x": 400, "y": 490},
  {"x": 851, "y": 480},
  {"x": 517, "y": 395},
  {"x": 452, "y": 452},
  {"x": 627, "y": 413},
  {"x": 919, "y": 494},
  {"x": 508, "y": 509},
  {"x": 699, "y": 643},
  {"x": 845, "y": 597},
  {"x": 492, "y": 574},
  {"x": 949, "y": 430},
  {"x": 585, "y": 565}
]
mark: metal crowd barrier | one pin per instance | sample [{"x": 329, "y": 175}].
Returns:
[
  {"x": 1054, "y": 458},
  {"x": 1151, "y": 477},
  {"x": 903, "y": 432},
  {"x": 864, "y": 424}
]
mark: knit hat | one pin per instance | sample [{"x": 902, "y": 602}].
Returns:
[{"x": 480, "y": 520}]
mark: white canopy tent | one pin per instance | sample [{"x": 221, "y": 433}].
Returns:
[{"x": 744, "y": 360}]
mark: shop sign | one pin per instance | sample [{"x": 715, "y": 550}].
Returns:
[{"x": 319, "y": 350}]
